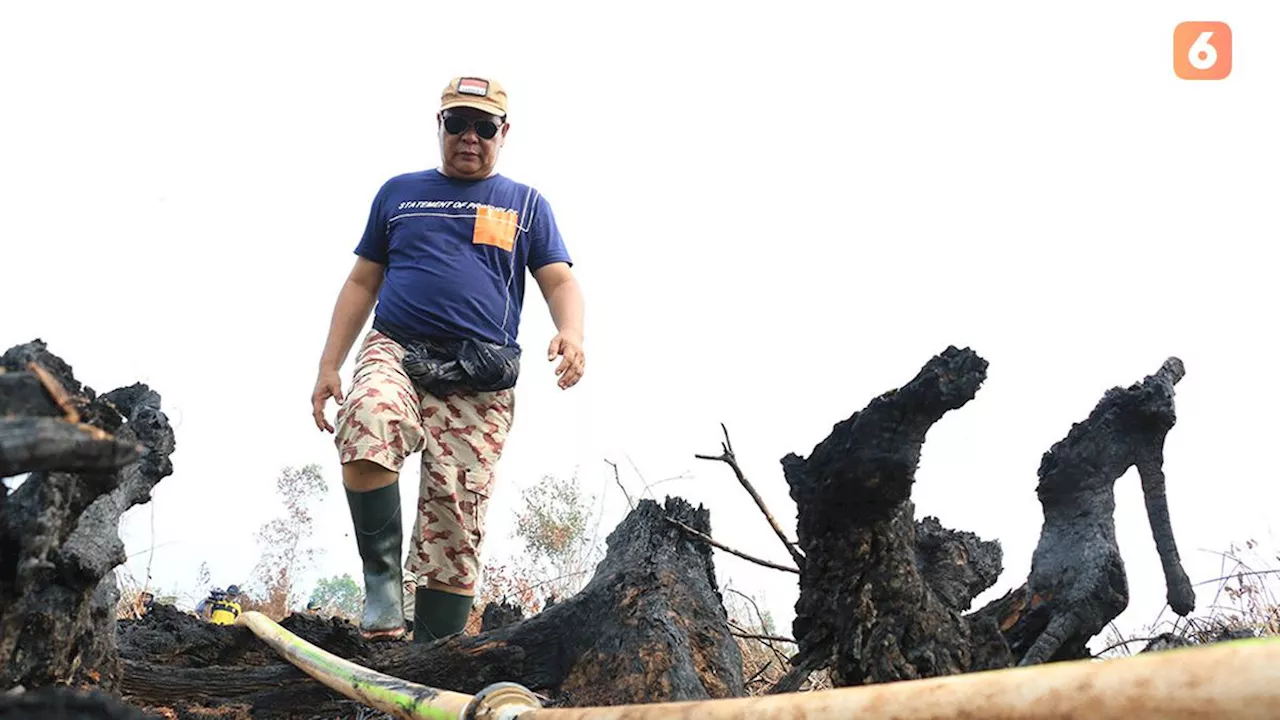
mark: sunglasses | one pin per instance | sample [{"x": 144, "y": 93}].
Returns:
[{"x": 456, "y": 125}]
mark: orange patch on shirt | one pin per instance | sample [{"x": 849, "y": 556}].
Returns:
[{"x": 496, "y": 227}]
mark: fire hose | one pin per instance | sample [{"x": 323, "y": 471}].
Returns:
[{"x": 1230, "y": 680}]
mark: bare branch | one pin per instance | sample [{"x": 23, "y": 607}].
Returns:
[
  {"x": 1122, "y": 643},
  {"x": 1233, "y": 576},
  {"x": 768, "y": 638},
  {"x": 755, "y": 606},
  {"x": 714, "y": 543},
  {"x": 648, "y": 486},
  {"x": 768, "y": 642},
  {"x": 759, "y": 673},
  {"x": 622, "y": 487},
  {"x": 727, "y": 457}
]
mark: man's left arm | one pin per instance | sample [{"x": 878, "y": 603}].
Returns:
[{"x": 564, "y": 299}]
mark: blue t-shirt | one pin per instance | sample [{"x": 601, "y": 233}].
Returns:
[{"x": 455, "y": 253}]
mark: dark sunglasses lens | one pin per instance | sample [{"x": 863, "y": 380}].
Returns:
[{"x": 456, "y": 125}]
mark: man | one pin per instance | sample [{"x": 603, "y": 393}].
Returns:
[
  {"x": 443, "y": 256},
  {"x": 204, "y": 606},
  {"x": 224, "y": 608},
  {"x": 146, "y": 601}
]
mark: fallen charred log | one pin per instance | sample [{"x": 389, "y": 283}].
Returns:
[
  {"x": 649, "y": 626},
  {"x": 90, "y": 459}
]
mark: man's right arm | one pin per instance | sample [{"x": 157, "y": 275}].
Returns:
[{"x": 355, "y": 302}]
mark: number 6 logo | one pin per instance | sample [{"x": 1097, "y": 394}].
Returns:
[{"x": 1202, "y": 50}]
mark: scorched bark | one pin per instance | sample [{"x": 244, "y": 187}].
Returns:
[
  {"x": 59, "y": 530},
  {"x": 875, "y": 604}
]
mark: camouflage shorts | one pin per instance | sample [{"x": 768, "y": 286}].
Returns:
[{"x": 385, "y": 418}]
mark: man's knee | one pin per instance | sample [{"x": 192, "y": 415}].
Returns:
[
  {"x": 377, "y": 425},
  {"x": 366, "y": 475}
]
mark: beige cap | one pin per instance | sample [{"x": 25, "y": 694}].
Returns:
[{"x": 475, "y": 92}]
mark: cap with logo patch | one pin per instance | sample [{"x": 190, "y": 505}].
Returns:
[{"x": 474, "y": 92}]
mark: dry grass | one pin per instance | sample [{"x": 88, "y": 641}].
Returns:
[
  {"x": 1246, "y": 601},
  {"x": 129, "y": 606},
  {"x": 766, "y": 651}
]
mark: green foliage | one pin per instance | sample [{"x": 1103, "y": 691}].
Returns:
[{"x": 339, "y": 595}]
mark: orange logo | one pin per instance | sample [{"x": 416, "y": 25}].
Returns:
[{"x": 1202, "y": 50}]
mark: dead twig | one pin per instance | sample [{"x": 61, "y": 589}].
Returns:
[
  {"x": 767, "y": 640},
  {"x": 1122, "y": 643},
  {"x": 727, "y": 457},
  {"x": 715, "y": 543},
  {"x": 759, "y": 673},
  {"x": 764, "y": 638},
  {"x": 755, "y": 606},
  {"x": 618, "y": 479},
  {"x": 648, "y": 486},
  {"x": 1233, "y": 576}
]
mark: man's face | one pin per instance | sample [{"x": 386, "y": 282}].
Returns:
[{"x": 464, "y": 149}]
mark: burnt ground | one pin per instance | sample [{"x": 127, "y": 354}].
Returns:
[{"x": 167, "y": 636}]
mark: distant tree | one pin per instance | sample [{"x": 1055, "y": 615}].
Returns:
[
  {"x": 559, "y": 536},
  {"x": 339, "y": 595},
  {"x": 203, "y": 577},
  {"x": 283, "y": 540}
]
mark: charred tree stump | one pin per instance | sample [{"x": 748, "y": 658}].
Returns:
[
  {"x": 880, "y": 594},
  {"x": 1077, "y": 583},
  {"x": 90, "y": 459},
  {"x": 650, "y": 626}
]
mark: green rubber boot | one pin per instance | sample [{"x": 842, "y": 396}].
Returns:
[
  {"x": 439, "y": 614},
  {"x": 375, "y": 514}
]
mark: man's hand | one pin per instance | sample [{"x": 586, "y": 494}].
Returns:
[
  {"x": 564, "y": 299},
  {"x": 328, "y": 385},
  {"x": 569, "y": 346}
]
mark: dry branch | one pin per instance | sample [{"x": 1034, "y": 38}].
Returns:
[
  {"x": 717, "y": 544},
  {"x": 782, "y": 658},
  {"x": 618, "y": 479},
  {"x": 726, "y": 456},
  {"x": 757, "y": 636}
]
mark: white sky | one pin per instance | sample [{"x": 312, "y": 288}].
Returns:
[{"x": 777, "y": 213}]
